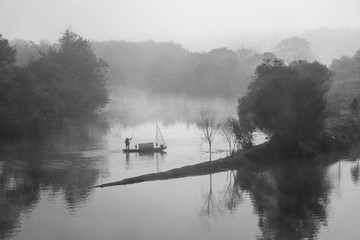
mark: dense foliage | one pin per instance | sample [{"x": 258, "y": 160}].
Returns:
[
  {"x": 344, "y": 95},
  {"x": 63, "y": 86},
  {"x": 287, "y": 102}
]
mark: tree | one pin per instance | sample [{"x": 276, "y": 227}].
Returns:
[
  {"x": 338, "y": 102},
  {"x": 7, "y": 70},
  {"x": 344, "y": 69},
  {"x": 9, "y": 91},
  {"x": 28, "y": 51},
  {"x": 74, "y": 78},
  {"x": 356, "y": 59},
  {"x": 227, "y": 131},
  {"x": 293, "y": 49},
  {"x": 344, "y": 93},
  {"x": 209, "y": 127},
  {"x": 287, "y": 102},
  {"x": 65, "y": 85},
  {"x": 7, "y": 54},
  {"x": 354, "y": 107},
  {"x": 86, "y": 71},
  {"x": 243, "y": 128}
]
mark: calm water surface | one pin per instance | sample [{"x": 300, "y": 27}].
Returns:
[{"x": 44, "y": 192}]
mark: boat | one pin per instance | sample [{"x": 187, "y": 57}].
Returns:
[{"x": 158, "y": 145}]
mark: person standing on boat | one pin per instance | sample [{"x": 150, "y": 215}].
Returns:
[{"x": 127, "y": 143}]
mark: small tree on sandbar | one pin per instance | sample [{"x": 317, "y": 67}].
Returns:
[
  {"x": 227, "y": 132},
  {"x": 209, "y": 126}
]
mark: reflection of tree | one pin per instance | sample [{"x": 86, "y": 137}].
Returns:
[
  {"x": 355, "y": 172},
  {"x": 71, "y": 179},
  {"x": 16, "y": 196},
  {"x": 27, "y": 173},
  {"x": 290, "y": 199},
  {"x": 233, "y": 195},
  {"x": 211, "y": 207},
  {"x": 209, "y": 201}
]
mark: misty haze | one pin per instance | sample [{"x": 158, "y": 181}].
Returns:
[{"x": 179, "y": 119}]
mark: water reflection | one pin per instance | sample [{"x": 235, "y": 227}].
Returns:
[
  {"x": 209, "y": 206},
  {"x": 134, "y": 160},
  {"x": 355, "y": 172},
  {"x": 16, "y": 196},
  {"x": 291, "y": 199},
  {"x": 30, "y": 171},
  {"x": 233, "y": 194}
]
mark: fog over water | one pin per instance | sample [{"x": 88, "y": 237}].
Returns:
[{"x": 143, "y": 107}]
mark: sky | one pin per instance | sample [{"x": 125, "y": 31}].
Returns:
[{"x": 180, "y": 21}]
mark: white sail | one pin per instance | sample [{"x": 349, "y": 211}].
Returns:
[{"x": 159, "y": 140}]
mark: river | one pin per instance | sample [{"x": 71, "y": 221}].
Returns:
[{"x": 45, "y": 191}]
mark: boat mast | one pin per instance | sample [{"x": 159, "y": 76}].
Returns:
[{"x": 157, "y": 128}]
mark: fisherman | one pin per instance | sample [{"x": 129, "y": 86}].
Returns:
[{"x": 127, "y": 143}]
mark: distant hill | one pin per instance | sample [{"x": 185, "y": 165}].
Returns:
[{"x": 327, "y": 44}]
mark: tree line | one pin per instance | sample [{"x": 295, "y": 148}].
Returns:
[
  {"x": 64, "y": 85},
  {"x": 283, "y": 94},
  {"x": 168, "y": 68}
]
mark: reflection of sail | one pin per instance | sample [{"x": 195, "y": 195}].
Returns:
[{"x": 159, "y": 140}]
